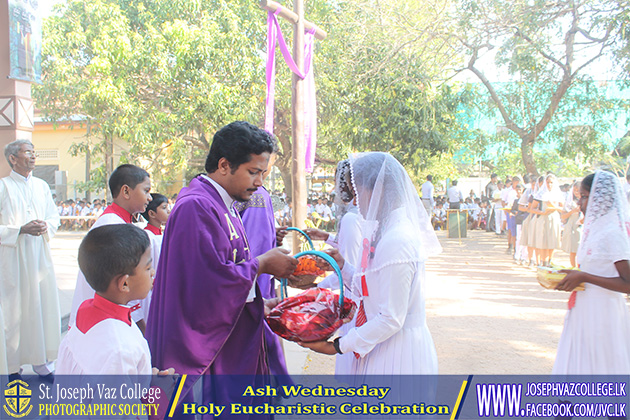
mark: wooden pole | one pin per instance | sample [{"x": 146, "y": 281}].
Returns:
[
  {"x": 298, "y": 178},
  {"x": 292, "y": 17},
  {"x": 298, "y": 163}
]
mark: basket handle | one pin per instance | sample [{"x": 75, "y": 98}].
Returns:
[
  {"x": 308, "y": 238},
  {"x": 330, "y": 260}
]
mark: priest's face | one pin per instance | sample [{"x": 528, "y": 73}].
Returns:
[
  {"x": 24, "y": 162},
  {"x": 247, "y": 178}
]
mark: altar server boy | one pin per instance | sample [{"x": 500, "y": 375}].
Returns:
[
  {"x": 116, "y": 262},
  {"x": 156, "y": 216},
  {"x": 130, "y": 186}
]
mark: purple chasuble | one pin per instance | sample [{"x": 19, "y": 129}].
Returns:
[
  {"x": 199, "y": 320},
  {"x": 260, "y": 226}
]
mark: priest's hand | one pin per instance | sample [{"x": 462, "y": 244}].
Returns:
[
  {"x": 281, "y": 232},
  {"x": 317, "y": 234},
  {"x": 277, "y": 262},
  {"x": 34, "y": 228},
  {"x": 324, "y": 347}
]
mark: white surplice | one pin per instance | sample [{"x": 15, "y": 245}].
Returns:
[{"x": 28, "y": 290}]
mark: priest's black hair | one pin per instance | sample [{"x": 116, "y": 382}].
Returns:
[
  {"x": 157, "y": 201},
  {"x": 109, "y": 251},
  {"x": 237, "y": 142},
  {"x": 126, "y": 174}
]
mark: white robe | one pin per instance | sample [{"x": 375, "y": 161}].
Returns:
[
  {"x": 30, "y": 317},
  {"x": 395, "y": 340},
  {"x": 348, "y": 241},
  {"x": 596, "y": 335}
]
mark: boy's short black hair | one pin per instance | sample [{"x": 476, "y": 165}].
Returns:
[
  {"x": 110, "y": 251},
  {"x": 126, "y": 174},
  {"x": 237, "y": 142},
  {"x": 157, "y": 200}
]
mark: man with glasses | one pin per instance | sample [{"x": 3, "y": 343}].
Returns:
[{"x": 29, "y": 303}]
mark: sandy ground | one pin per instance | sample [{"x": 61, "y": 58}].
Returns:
[{"x": 487, "y": 314}]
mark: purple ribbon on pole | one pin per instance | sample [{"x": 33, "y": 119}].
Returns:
[
  {"x": 310, "y": 105},
  {"x": 274, "y": 34}
]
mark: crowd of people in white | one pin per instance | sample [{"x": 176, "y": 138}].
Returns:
[
  {"x": 81, "y": 214},
  {"x": 536, "y": 214}
]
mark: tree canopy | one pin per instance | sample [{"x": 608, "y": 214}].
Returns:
[
  {"x": 163, "y": 76},
  {"x": 545, "y": 48}
]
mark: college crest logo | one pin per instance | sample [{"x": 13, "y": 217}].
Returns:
[{"x": 17, "y": 398}]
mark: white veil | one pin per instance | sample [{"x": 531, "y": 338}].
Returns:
[
  {"x": 544, "y": 194},
  {"x": 606, "y": 223},
  {"x": 386, "y": 195}
]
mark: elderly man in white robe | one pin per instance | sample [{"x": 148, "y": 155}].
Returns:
[{"x": 29, "y": 301}]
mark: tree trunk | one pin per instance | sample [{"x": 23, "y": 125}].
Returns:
[
  {"x": 283, "y": 163},
  {"x": 285, "y": 173},
  {"x": 109, "y": 164},
  {"x": 527, "y": 153}
]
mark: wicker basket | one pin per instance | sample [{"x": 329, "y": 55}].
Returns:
[
  {"x": 311, "y": 272},
  {"x": 302, "y": 281},
  {"x": 550, "y": 277},
  {"x": 307, "y": 280}
]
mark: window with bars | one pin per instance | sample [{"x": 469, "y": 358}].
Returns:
[{"x": 47, "y": 154}]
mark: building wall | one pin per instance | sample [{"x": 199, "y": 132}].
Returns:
[{"x": 53, "y": 143}]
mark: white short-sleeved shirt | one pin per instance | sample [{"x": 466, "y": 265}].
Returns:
[{"x": 104, "y": 340}]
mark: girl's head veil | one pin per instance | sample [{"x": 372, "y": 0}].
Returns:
[
  {"x": 386, "y": 198},
  {"x": 606, "y": 232}
]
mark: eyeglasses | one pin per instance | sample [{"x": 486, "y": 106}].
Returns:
[{"x": 30, "y": 153}]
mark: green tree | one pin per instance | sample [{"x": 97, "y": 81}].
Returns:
[
  {"x": 162, "y": 76},
  {"x": 545, "y": 48},
  {"x": 378, "y": 90},
  {"x": 158, "y": 75}
]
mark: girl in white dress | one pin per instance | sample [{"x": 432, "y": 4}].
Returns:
[
  {"x": 596, "y": 335},
  {"x": 572, "y": 229},
  {"x": 388, "y": 284},
  {"x": 535, "y": 230},
  {"x": 527, "y": 204},
  {"x": 553, "y": 202}
]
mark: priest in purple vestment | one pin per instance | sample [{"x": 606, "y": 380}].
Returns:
[{"x": 206, "y": 315}]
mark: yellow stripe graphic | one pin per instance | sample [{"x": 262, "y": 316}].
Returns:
[
  {"x": 459, "y": 399},
  {"x": 179, "y": 391}
]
